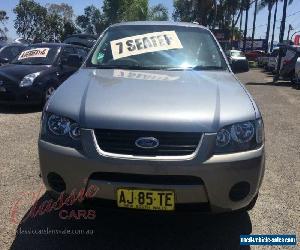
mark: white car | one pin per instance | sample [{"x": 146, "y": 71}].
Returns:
[
  {"x": 296, "y": 79},
  {"x": 272, "y": 61}
]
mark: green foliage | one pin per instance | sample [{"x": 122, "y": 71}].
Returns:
[
  {"x": 30, "y": 20},
  {"x": 158, "y": 13},
  {"x": 3, "y": 19},
  {"x": 92, "y": 21},
  {"x": 63, "y": 10},
  {"x": 38, "y": 23},
  {"x": 55, "y": 21},
  {"x": 60, "y": 19},
  {"x": 194, "y": 10}
]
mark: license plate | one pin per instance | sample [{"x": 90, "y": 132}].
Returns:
[
  {"x": 2, "y": 89},
  {"x": 146, "y": 199}
]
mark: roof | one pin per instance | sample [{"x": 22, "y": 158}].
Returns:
[
  {"x": 14, "y": 44},
  {"x": 167, "y": 23},
  {"x": 83, "y": 35}
]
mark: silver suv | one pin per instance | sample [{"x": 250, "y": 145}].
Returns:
[{"x": 156, "y": 120}]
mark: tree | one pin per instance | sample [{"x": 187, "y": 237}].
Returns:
[
  {"x": 183, "y": 11},
  {"x": 269, "y": 4},
  {"x": 64, "y": 10},
  {"x": 115, "y": 11},
  {"x": 274, "y": 24},
  {"x": 195, "y": 10},
  {"x": 134, "y": 10},
  {"x": 3, "y": 19},
  {"x": 64, "y": 23},
  {"x": 158, "y": 13},
  {"x": 30, "y": 22},
  {"x": 247, "y": 6},
  {"x": 92, "y": 21},
  {"x": 254, "y": 23}
]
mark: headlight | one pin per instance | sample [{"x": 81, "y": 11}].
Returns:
[
  {"x": 28, "y": 80},
  {"x": 240, "y": 137},
  {"x": 60, "y": 130}
]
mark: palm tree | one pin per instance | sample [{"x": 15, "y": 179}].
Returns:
[
  {"x": 247, "y": 7},
  {"x": 254, "y": 22},
  {"x": 274, "y": 24},
  {"x": 269, "y": 4}
]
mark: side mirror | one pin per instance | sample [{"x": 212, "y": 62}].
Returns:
[
  {"x": 4, "y": 60},
  {"x": 74, "y": 61},
  {"x": 282, "y": 52}
]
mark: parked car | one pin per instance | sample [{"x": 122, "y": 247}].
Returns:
[
  {"x": 86, "y": 40},
  {"x": 272, "y": 61},
  {"x": 37, "y": 71},
  {"x": 237, "y": 60},
  {"x": 262, "y": 61},
  {"x": 155, "y": 120},
  {"x": 288, "y": 61},
  {"x": 296, "y": 78},
  {"x": 254, "y": 55},
  {"x": 9, "y": 52}
]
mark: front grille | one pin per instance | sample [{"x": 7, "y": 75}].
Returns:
[
  {"x": 170, "y": 143},
  {"x": 147, "y": 179}
]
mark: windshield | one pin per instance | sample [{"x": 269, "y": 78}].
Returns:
[
  {"x": 237, "y": 53},
  {"x": 157, "y": 47},
  {"x": 37, "y": 55}
]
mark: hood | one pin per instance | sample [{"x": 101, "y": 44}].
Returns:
[
  {"x": 16, "y": 72},
  {"x": 182, "y": 101}
]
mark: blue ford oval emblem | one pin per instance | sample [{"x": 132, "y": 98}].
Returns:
[{"x": 147, "y": 142}]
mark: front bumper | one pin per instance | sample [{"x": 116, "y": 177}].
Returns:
[
  {"x": 15, "y": 95},
  {"x": 212, "y": 176}
]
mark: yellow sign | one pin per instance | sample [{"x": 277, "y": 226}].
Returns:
[{"x": 146, "y": 199}]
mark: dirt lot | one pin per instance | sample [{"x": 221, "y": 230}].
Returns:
[{"x": 277, "y": 210}]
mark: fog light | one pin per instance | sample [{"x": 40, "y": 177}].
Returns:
[
  {"x": 239, "y": 191},
  {"x": 56, "y": 182}
]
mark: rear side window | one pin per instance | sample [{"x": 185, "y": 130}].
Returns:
[
  {"x": 66, "y": 52},
  {"x": 82, "y": 52}
]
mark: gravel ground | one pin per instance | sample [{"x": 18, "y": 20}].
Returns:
[{"x": 277, "y": 210}]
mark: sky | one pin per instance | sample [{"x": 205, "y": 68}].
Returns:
[{"x": 293, "y": 13}]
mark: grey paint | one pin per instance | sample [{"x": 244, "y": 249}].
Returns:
[{"x": 194, "y": 101}]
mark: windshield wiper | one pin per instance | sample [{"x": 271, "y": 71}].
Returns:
[{"x": 201, "y": 67}]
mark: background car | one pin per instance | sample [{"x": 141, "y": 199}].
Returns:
[
  {"x": 85, "y": 40},
  {"x": 262, "y": 61},
  {"x": 9, "y": 52},
  {"x": 254, "y": 55},
  {"x": 237, "y": 60},
  {"x": 272, "y": 61},
  {"x": 287, "y": 67},
  {"x": 296, "y": 78},
  {"x": 34, "y": 74}
]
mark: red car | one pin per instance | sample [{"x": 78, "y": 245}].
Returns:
[{"x": 253, "y": 55}]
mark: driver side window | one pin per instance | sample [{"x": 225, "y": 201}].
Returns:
[{"x": 65, "y": 54}]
